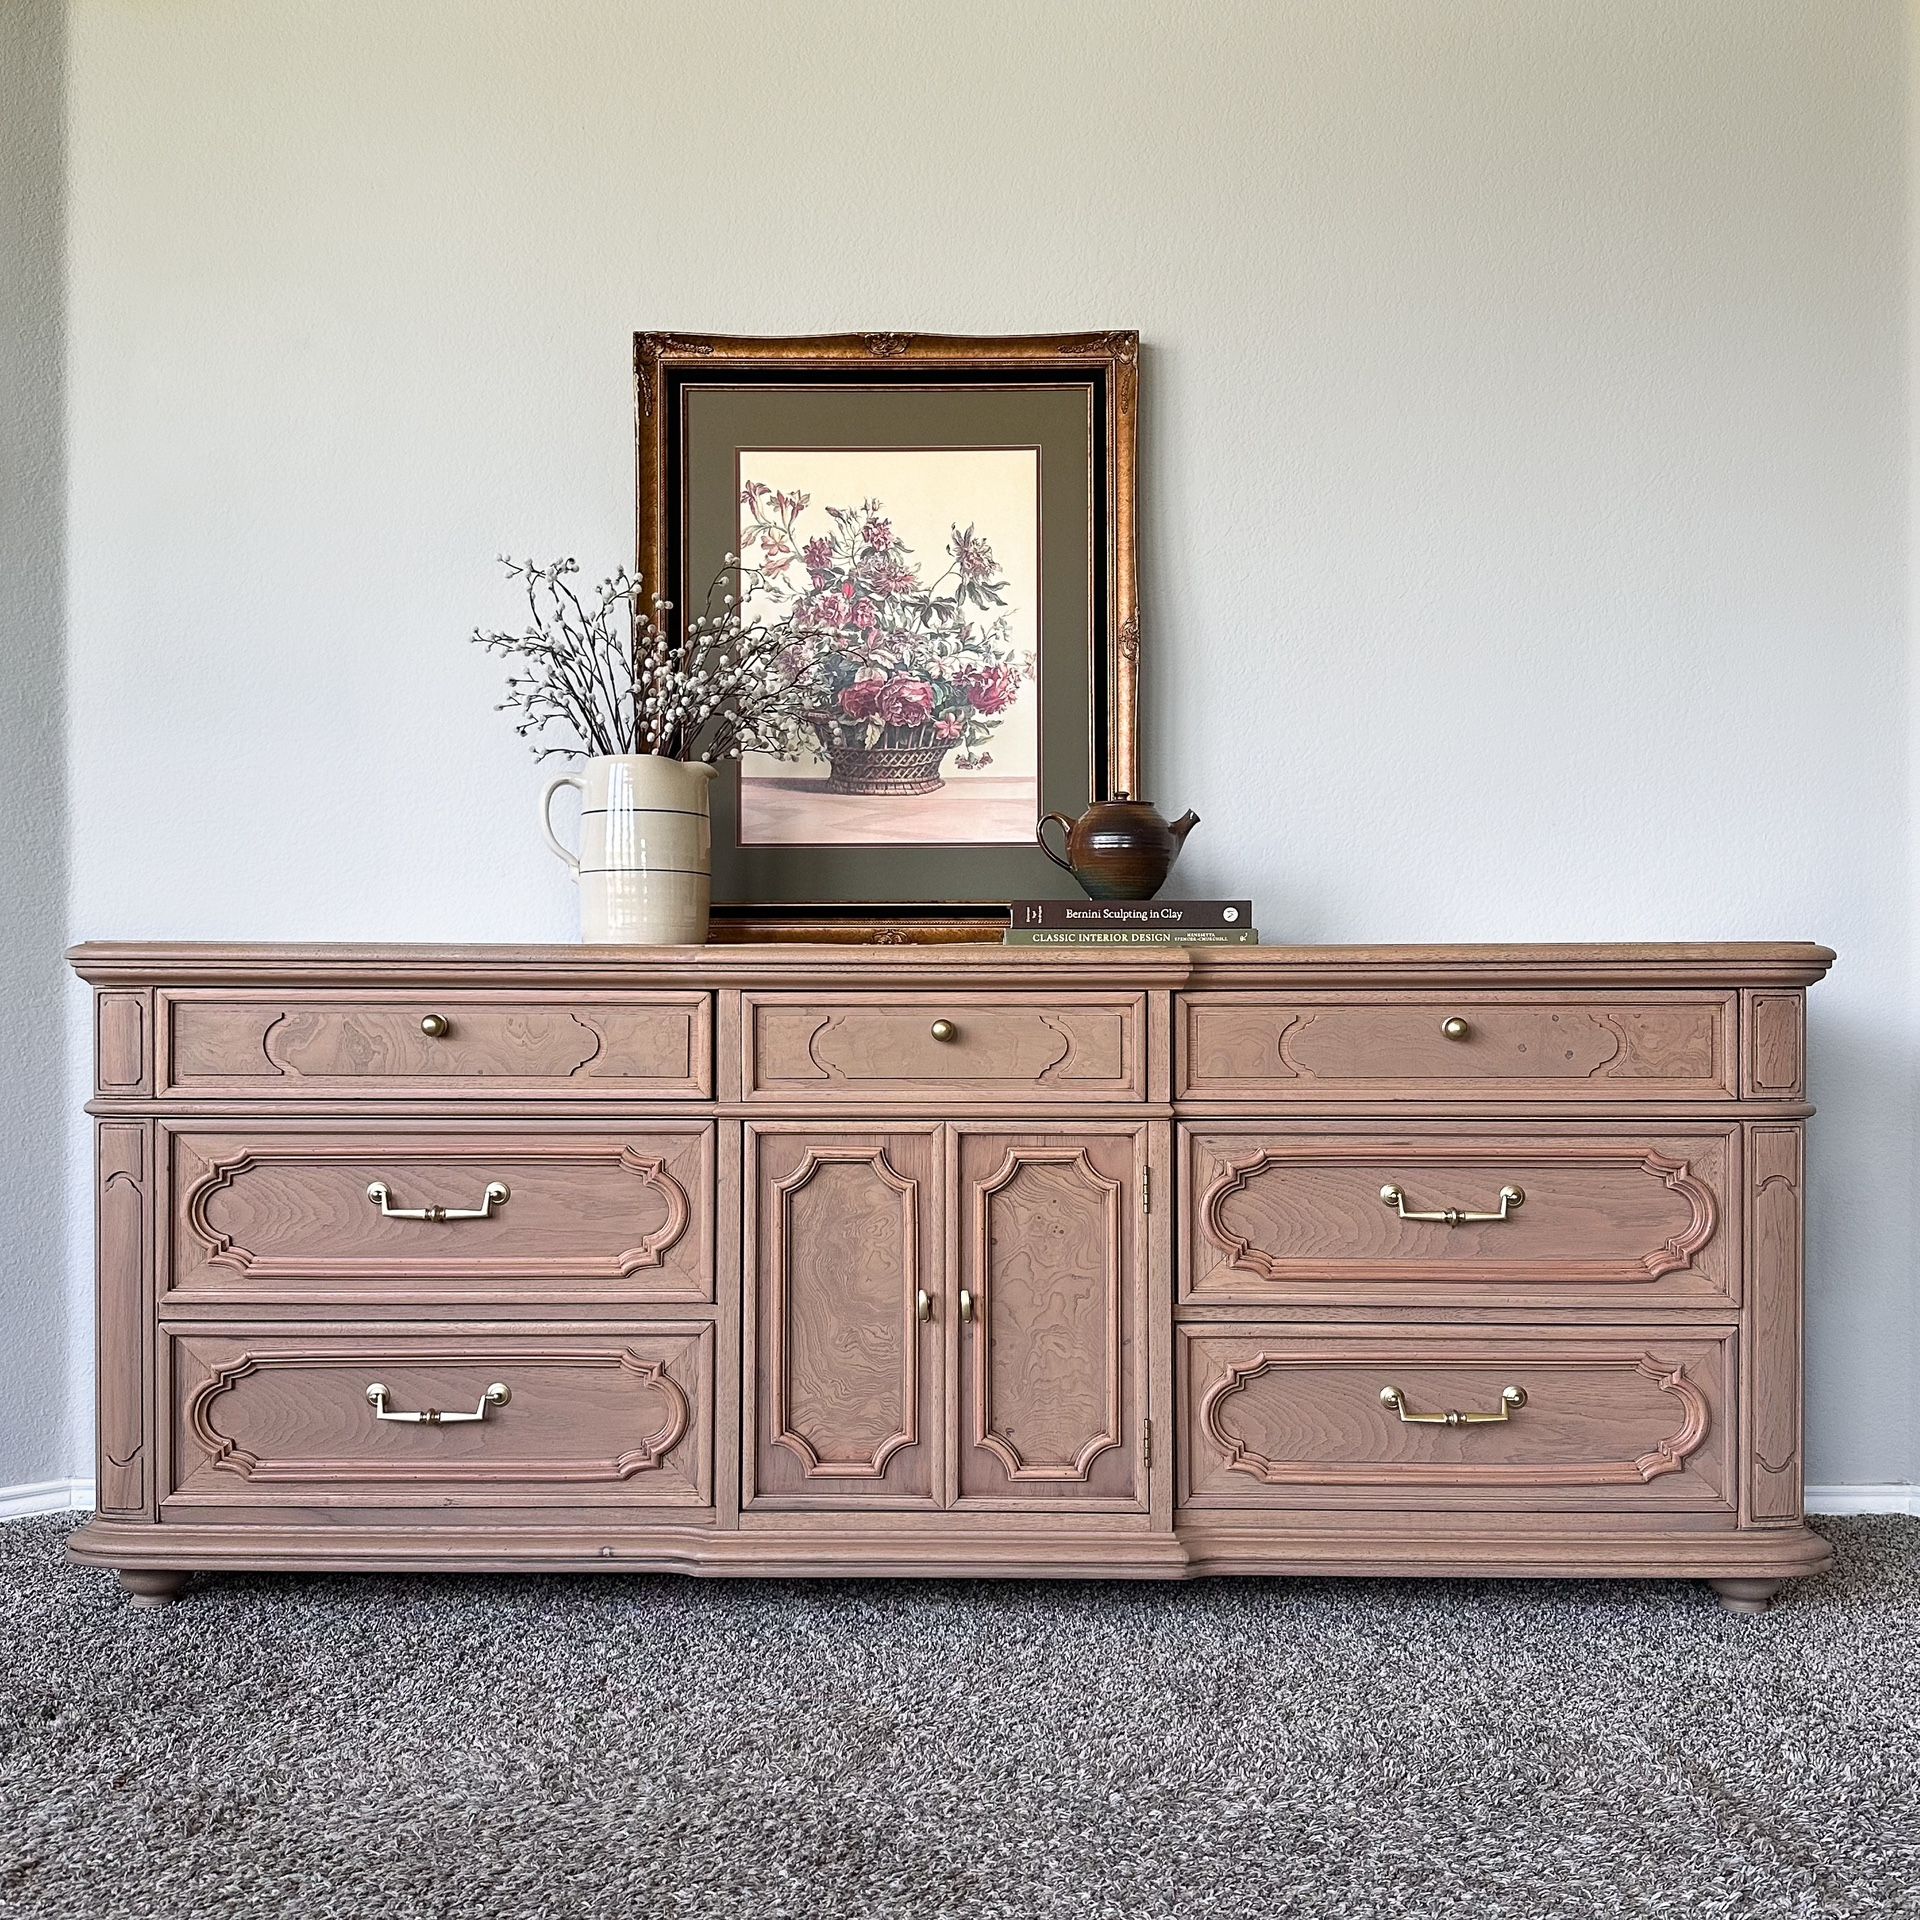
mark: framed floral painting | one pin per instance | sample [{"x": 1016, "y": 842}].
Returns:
[{"x": 941, "y": 530}]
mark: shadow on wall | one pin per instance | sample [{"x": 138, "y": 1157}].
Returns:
[{"x": 39, "y": 1322}]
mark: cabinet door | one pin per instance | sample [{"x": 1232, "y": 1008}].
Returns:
[
  {"x": 1052, "y": 1272},
  {"x": 844, "y": 1234}
]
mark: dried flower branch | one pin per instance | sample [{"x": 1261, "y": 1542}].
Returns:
[{"x": 605, "y": 669}]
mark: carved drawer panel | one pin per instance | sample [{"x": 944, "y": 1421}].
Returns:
[
  {"x": 1539, "y": 1417},
  {"x": 405, "y": 1216},
  {"x": 1052, "y": 1047},
  {"x": 284, "y": 1416},
  {"x": 1431, "y": 1046},
  {"x": 655, "y": 1046},
  {"x": 1583, "y": 1215}
]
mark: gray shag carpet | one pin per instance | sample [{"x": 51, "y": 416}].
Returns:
[{"x": 633, "y": 1746}]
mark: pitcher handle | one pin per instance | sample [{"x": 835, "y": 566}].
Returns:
[
  {"x": 573, "y": 780},
  {"x": 1040, "y": 834}
]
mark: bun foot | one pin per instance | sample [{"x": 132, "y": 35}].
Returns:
[
  {"x": 1746, "y": 1596},
  {"x": 151, "y": 1586}
]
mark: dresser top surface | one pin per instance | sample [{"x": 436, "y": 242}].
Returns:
[{"x": 1679, "y": 964}]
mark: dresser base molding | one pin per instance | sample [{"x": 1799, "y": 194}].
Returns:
[{"x": 1739, "y": 1563}]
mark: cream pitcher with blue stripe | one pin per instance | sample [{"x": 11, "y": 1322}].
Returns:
[{"x": 645, "y": 863}]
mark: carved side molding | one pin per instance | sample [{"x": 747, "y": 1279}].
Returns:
[
  {"x": 1667, "y": 1455},
  {"x": 986, "y": 1434}
]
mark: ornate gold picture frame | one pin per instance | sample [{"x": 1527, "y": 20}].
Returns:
[{"x": 947, "y": 523}]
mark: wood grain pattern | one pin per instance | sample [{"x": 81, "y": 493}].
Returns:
[
  {"x": 653, "y": 1045},
  {"x": 842, "y": 1234},
  {"x": 1300, "y": 1215},
  {"x": 272, "y": 1415},
  {"x": 1289, "y": 1407},
  {"x": 276, "y": 1213},
  {"x": 1050, "y": 1383},
  {"x": 123, "y": 1460},
  {"x": 1051, "y": 1049},
  {"x": 1563, "y": 1047},
  {"x": 1773, "y": 1363},
  {"x": 1775, "y": 1026},
  {"x": 120, "y": 1054}
]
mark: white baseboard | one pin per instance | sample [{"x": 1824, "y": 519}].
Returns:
[
  {"x": 46, "y": 1496},
  {"x": 1898, "y": 1498}
]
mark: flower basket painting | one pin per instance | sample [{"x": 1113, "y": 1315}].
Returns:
[
  {"x": 905, "y": 586},
  {"x": 928, "y": 540}
]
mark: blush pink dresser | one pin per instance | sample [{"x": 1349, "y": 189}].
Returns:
[{"x": 952, "y": 1260}]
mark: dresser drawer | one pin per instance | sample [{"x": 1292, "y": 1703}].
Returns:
[
  {"x": 654, "y": 1046},
  {"x": 324, "y": 1215},
  {"x": 1612, "y": 1215},
  {"x": 1290, "y": 1416},
  {"x": 1051, "y": 1047},
  {"x": 1431, "y": 1046},
  {"x": 283, "y": 1416}
]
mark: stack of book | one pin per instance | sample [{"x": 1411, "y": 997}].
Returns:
[{"x": 1131, "y": 923}]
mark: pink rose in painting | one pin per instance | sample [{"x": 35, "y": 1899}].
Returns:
[
  {"x": 989, "y": 689},
  {"x": 858, "y": 701},
  {"x": 878, "y": 534},
  {"x": 890, "y": 578},
  {"x": 905, "y": 702},
  {"x": 818, "y": 554}
]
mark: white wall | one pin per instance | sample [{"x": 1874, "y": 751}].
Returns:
[
  {"x": 1525, "y": 451},
  {"x": 37, "y": 1388}
]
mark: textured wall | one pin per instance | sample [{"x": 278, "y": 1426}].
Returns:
[
  {"x": 1524, "y": 490},
  {"x": 37, "y": 1327}
]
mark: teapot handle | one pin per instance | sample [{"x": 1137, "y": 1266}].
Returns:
[{"x": 1066, "y": 829}]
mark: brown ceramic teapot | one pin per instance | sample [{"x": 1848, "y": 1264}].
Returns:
[{"x": 1119, "y": 849}]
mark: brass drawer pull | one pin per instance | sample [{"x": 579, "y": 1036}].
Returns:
[
  {"x": 496, "y": 1395},
  {"x": 966, "y": 1304},
  {"x": 1510, "y": 1198},
  {"x": 1512, "y": 1399},
  {"x": 945, "y": 1030},
  {"x": 923, "y": 1303},
  {"x": 1456, "y": 1028},
  {"x": 496, "y": 1195},
  {"x": 436, "y": 1026}
]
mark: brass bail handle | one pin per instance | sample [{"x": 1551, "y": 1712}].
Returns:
[
  {"x": 1510, "y": 1198},
  {"x": 496, "y": 1395},
  {"x": 497, "y": 1195},
  {"x": 1512, "y": 1399}
]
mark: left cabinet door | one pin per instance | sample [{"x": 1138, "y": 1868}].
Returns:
[{"x": 843, "y": 1240}]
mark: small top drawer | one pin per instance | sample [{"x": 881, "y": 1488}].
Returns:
[
  {"x": 655, "y": 1046},
  {"x": 1435, "y": 1046},
  {"x": 1051, "y": 1047}
]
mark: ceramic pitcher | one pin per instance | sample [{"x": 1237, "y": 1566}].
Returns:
[{"x": 645, "y": 863}]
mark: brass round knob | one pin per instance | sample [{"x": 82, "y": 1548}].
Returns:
[
  {"x": 436, "y": 1026},
  {"x": 1456, "y": 1028},
  {"x": 945, "y": 1030}
]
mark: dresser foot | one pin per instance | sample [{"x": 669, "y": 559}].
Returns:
[
  {"x": 1746, "y": 1596},
  {"x": 151, "y": 1586}
]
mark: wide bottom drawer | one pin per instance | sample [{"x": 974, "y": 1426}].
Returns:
[
  {"x": 507, "y": 1418},
  {"x": 1450, "y": 1416}
]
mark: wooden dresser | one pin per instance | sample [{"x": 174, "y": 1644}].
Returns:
[{"x": 952, "y": 1260}]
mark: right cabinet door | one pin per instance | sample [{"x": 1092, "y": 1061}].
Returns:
[{"x": 1051, "y": 1282}]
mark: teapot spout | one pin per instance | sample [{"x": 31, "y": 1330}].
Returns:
[{"x": 1183, "y": 826}]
